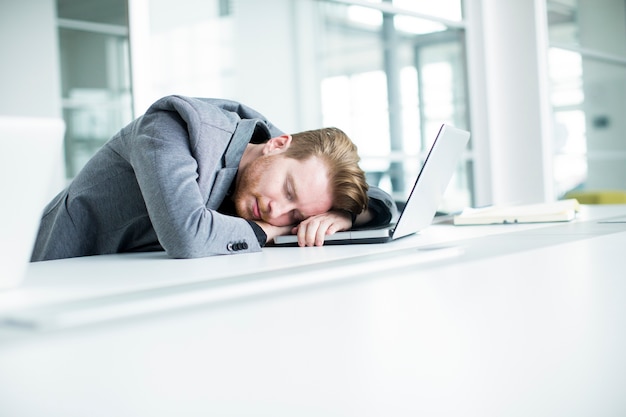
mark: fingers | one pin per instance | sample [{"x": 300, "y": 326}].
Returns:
[{"x": 311, "y": 232}]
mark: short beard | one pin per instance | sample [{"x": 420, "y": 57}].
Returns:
[{"x": 246, "y": 185}]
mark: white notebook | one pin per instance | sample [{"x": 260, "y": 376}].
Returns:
[
  {"x": 558, "y": 211},
  {"x": 422, "y": 204}
]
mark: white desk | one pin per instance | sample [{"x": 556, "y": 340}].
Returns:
[{"x": 527, "y": 320}]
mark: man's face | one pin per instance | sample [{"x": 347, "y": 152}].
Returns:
[{"x": 282, "y": 191}]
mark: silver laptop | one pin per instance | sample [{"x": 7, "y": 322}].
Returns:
[
  {"x": 31, "y": 172},
  {"x": 422, "y": 204}
]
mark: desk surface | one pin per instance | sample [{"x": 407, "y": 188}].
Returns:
[{"x": 504, "y": 320}]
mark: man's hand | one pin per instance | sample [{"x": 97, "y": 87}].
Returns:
[
  {"x": 272, "y": 231},
  {"x": 311, "y": 231}
]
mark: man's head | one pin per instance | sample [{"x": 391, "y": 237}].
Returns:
[{"x": 295, "y": 177}]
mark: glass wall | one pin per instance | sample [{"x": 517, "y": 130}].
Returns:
[
  {"x": 587, "y": 60},
  {"x": 387, "y": 72}
]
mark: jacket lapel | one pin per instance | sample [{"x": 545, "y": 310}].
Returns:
[{"x": 225, "y": 177}]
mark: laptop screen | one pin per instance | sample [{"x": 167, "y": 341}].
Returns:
[{"x": 31, "y": 172}]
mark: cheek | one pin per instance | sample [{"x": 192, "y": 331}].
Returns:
[{"x": 265, "y": 182}]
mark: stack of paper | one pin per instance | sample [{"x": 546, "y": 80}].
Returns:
[{"x": 559, "y": 211}]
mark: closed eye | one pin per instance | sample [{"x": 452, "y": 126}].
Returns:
[
  {"x": 289, "y": 195},
  {"x": 290, "y": 188}
]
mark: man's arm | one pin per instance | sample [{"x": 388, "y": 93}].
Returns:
[
  {"x": 381, "y": 209},
  {"x": 170, "y": 177},
  {"x": 266, "y": 232}
]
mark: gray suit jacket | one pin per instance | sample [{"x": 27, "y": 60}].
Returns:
[{"x": 157, "y": 184}]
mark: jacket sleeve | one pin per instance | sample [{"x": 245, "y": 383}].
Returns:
[
  {"x": 161, "y": 154},
  {"x": 382, "y": 206}
]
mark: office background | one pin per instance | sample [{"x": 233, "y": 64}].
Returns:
[{"x": 541, "y": 84}]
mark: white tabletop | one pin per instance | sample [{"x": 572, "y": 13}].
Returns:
[{"x": 510, "y": 320}]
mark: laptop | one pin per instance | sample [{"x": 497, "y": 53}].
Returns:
[
  {"x": 422, "y": 204},
  {"x": 31, "y": 172}
]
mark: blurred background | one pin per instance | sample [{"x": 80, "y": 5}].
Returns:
[{"x": 540, "y": 84}]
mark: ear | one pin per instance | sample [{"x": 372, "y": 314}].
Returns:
[{"x": 276, "y": 145}]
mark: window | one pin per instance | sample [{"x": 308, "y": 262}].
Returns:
[
  {"x": 390, "y": 78},
  {"x": 95, "y": 76}
]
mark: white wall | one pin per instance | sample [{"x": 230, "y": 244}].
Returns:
[
  {"x": 30, "y": 84},
  {"x": 29, "y": 73},
  {"x": 284, "y": 85}
]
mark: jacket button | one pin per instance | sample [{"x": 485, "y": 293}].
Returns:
[{"x": 237, "y": 246}]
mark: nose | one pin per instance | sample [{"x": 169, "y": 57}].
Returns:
[{"x": 279, "y": 208}]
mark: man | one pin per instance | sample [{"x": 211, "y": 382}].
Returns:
[{"x": 199, "y": 177}]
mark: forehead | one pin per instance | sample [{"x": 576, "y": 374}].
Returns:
[{"x": 311, "y": 183}]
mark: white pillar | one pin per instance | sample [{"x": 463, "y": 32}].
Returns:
[{"x": 511, "y": 115}]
